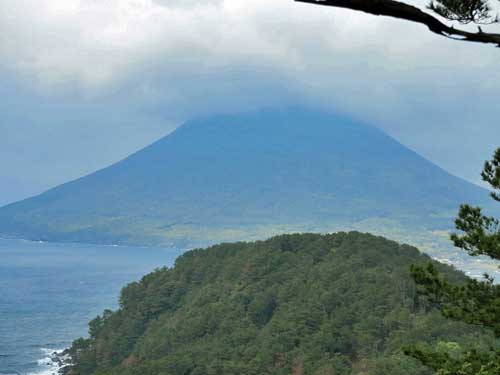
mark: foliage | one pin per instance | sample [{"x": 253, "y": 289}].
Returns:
[
  {"x": 295, "y": 304},
  {"x": 475, "y": 302},
  {"x": 450, "y": 359},
  {"x": 464, "y": 11}
]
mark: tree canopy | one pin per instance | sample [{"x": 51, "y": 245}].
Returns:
[
  {"x": 476, "y": 302},
  {"x": 305, "y": 304}
]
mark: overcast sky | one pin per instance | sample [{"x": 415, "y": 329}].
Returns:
[{"x": 83, "y": 83}]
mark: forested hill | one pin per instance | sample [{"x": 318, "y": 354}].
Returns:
[
  {"x": 248, "y": 176},
  {"x": 295, "y": 304}
]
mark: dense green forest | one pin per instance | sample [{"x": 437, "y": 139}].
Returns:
[{"x": 294, "y": 304}]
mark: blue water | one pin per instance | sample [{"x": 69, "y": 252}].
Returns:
[{"x": 49, "y": 292}]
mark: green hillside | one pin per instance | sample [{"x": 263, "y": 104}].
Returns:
[
  {"x": 295, "y": 304},
  {"x": 246, "y": 177}
]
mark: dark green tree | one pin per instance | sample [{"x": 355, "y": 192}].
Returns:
[
  {"x": 310, "y": 304},
  {"x": 478, "y": 12},
  {"x": 475, "y": 302}
]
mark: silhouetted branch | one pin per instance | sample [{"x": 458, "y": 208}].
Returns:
[{"x": 396, "y": 9}]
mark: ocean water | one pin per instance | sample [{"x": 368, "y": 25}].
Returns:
[{"x": 49, "y": 292}]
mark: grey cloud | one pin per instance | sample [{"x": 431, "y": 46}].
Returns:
[{"x": 135, "y": 68}]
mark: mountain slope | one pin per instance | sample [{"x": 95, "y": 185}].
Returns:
[
  {"x": 295, "y": 304},
  {"x": 244, "y": 176}
]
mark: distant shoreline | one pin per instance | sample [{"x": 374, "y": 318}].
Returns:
[{"x": 4, "y": 238}]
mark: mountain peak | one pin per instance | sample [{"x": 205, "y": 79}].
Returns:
[{"x": 246, "y": 176}]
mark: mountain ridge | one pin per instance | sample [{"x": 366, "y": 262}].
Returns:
[{"x": 243, "y": 177}]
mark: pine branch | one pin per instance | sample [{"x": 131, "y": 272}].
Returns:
[{"x": 396, "y": 9}]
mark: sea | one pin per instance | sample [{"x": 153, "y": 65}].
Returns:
[{"x": 50, "y": 291}]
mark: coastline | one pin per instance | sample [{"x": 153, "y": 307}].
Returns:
[
  {"x": 124, "y": 245},
  {"x": 53, "y": 362},
  {"x": 64, "y": 286}
]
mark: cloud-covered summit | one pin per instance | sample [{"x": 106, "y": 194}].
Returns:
[{"x": 147, "y": 62}]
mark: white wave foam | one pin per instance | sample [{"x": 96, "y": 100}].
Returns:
[{"x": 47, "y": 365}]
